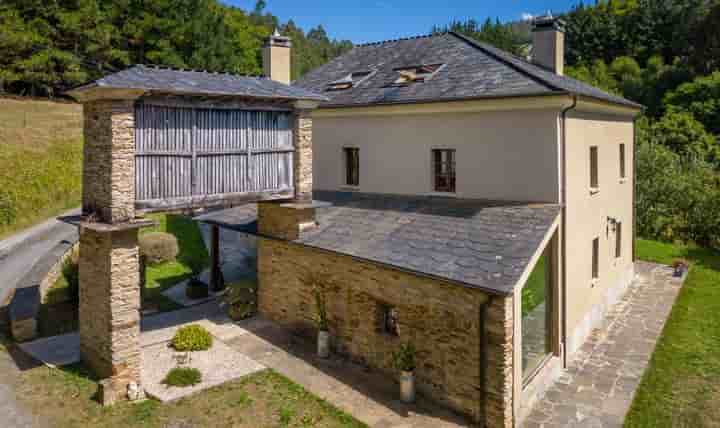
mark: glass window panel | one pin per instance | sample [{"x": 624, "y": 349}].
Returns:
[{"x": 536, "y": 310}]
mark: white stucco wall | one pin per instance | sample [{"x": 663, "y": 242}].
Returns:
[
  {"x": 587, "y": 218},
  {"x": 501, "y": 155}
]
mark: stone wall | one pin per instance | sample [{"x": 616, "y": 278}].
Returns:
[
  {"x": 109, "y": 166},
  {"x": 110, "y": 307},
  {"x": 303, "y": 159},
  {"x": 499, "y": 338},
  {"x": 442, "y": 320}
]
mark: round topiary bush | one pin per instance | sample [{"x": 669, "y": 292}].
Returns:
[
  {"x": 192, "y": 338},
  {"x": 182, "y": 377},
  {"x": 158, "y": 247}
]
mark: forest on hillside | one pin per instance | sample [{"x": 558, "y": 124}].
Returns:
[
  {"x": 664, "y": 54},
  {"x": 48, "y": 46}
]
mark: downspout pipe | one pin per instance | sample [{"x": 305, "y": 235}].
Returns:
[{"x": 563, "y": 245}]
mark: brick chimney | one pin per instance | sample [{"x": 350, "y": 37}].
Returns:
[
  {"x": 548, "y": 50},
  {"x": 276, "y": 58}
]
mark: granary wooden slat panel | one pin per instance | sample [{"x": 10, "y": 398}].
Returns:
[{"x": 185, "y": 153}]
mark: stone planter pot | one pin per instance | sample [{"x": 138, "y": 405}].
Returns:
[
  {"x": 407, "y": 387},
  {"x": 323, "y": 344}
]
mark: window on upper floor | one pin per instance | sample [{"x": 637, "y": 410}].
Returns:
[
  {"x": 444, "y": 170},
  {"x": 618, "y": 240},
  {"x": 622, "y": 161},
  {"x": 594, "y": 181},
  {"x": 416, "y": 74},
  {"x": 349, "y": 81},
  {"x": 352, "y": 166}
]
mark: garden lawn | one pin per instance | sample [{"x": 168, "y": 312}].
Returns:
[
  {"x": 681, "y": 386},
  {"x": 192, "y": 256},
  {"x": 265, "y": 399}
]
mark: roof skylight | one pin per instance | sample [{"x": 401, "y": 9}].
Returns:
[
  {"x": 349, "y": 81},
  {"x": 416, "y": 74}
]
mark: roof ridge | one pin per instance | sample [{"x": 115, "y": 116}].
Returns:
[
  {"x": 498, "y": 55},
  {"x": 400, "y": 39},
  {"x": 194, "y": 70}
]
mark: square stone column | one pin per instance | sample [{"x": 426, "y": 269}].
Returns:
[
  {"x": 109, "y": 313},
  {"x": 499, "y": 336},
  {"x": 303, "y": 159}
]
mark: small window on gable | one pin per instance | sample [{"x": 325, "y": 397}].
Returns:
[
  {"x": 349, "y": 81},
  {"x": 618, "y": 240},
  {"x": 444, "y": 170},
  {"x": 416, "y": 74},
  {"x": 596, "y": 258},
  {"x": 352, "y": 166},
  {"x": 622, "y": 161}
]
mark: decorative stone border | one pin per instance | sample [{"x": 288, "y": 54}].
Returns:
[{"x": 30, "y": 292}]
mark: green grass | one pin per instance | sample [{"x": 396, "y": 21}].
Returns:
[
  {"x": 40, "y": 161},
  {"x": 681, "y": 387},
  {"x": 265, "y": 399},
  {"x": 192, "y": 255}
]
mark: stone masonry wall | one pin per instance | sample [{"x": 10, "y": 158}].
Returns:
[
  {"x": 499, "y": 330},
  {"x": 110, "y": 305},
  {"x": 109, "y": 160},
  {"x": 303, "y": 158},
  {"x": 442, "y": 320},
  {"x": 282, "y": 222}
]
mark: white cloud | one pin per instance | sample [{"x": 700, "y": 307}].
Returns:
[{"x": 527, "y": 16}]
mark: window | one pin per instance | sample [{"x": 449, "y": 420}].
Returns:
[
  {"x": 536, "y": 322},
  {"x": 415, "y": 74},
  {"x": 594, "y": 167},
  {"x": 444, "y": 170},
  {"x": 352, "y": 166},
  {"x": 596, "y": 258},
  {"x": 349, "y": 81},
  {"x": 618, "y": 240},
  {"x": 622, "y": 161},
  {"x": 389, "y": 320}
]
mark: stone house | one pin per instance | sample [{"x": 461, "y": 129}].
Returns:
[{"x": 480, "y": 207}]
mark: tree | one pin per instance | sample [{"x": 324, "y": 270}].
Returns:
[
  {"x": 687, "y": 137},
  {"x": 705, "y": 45},
  {"x": 701, "y": 98}
]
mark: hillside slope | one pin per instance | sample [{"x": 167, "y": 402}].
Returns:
[{"x": 40, "y": 161}]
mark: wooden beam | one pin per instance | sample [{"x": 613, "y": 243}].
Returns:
[{"x": 211, "y": 201}]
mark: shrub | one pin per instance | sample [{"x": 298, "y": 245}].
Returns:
[
  {"x": 182, "y": 377},
  {"x": 241, "y": 299},
  {"x": 158, "y": 247},
  {"x": 71, "y": 273},
  {"x": 192, "y": 338},
  {"x": 404, "y": 357}
]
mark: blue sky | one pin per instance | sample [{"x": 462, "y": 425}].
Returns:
[{"x": 374, "y": 20}]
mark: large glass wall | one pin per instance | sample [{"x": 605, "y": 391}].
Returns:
[{"x": 536, "y": 316}]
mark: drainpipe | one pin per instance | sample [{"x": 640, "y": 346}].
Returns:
[{"x": 563, "y": 251}]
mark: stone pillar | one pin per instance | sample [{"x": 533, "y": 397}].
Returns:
[
  {"x": 303, "y": 159},
  {"x": 109, "y": 312},
  {"x": 109, "y": 315},
  {"x": 499, "y": 335},
  {"x": 109, "y": 160},
  {"x": 286, "y": 220}
]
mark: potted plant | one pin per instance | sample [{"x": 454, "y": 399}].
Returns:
[
  {"x": 241, "y": 299},
  {"x": 323, "y": 339},
  {"x": 404, "y": 361},
  {"x": 680, "y": 267}
]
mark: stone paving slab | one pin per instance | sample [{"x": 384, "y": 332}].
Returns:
[
  {"x": 177, "y": 293},
  {"x": 597, "y": 388},
  {"x": 218, "y": 365}
]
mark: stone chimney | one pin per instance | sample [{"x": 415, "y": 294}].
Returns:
[
  {"x": 276, "y": 58},
  {"x": 548, "y": 50}
]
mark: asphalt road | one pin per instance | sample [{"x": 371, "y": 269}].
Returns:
[{"x": 19, "y": 252}]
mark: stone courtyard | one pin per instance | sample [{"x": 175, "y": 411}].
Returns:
[{"x": 599, "y": 384}]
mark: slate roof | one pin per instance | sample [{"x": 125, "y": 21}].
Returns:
[
  {"x": 480, "y": 244},
  {"x": 176, "y": 81},
  {"x": 473, "y": 70}
]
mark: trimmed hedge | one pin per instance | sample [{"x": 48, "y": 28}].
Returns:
[
  {"x": 158, "y": 247},
  {"x": 192, "y": 338}
]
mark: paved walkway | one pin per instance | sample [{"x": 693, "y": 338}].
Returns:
[{"x": 598, "y": 387}]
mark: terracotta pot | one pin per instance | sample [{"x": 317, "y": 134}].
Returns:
[
  {"x": 323, "y": 344},
  {"x": 407, "y": 387}
]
